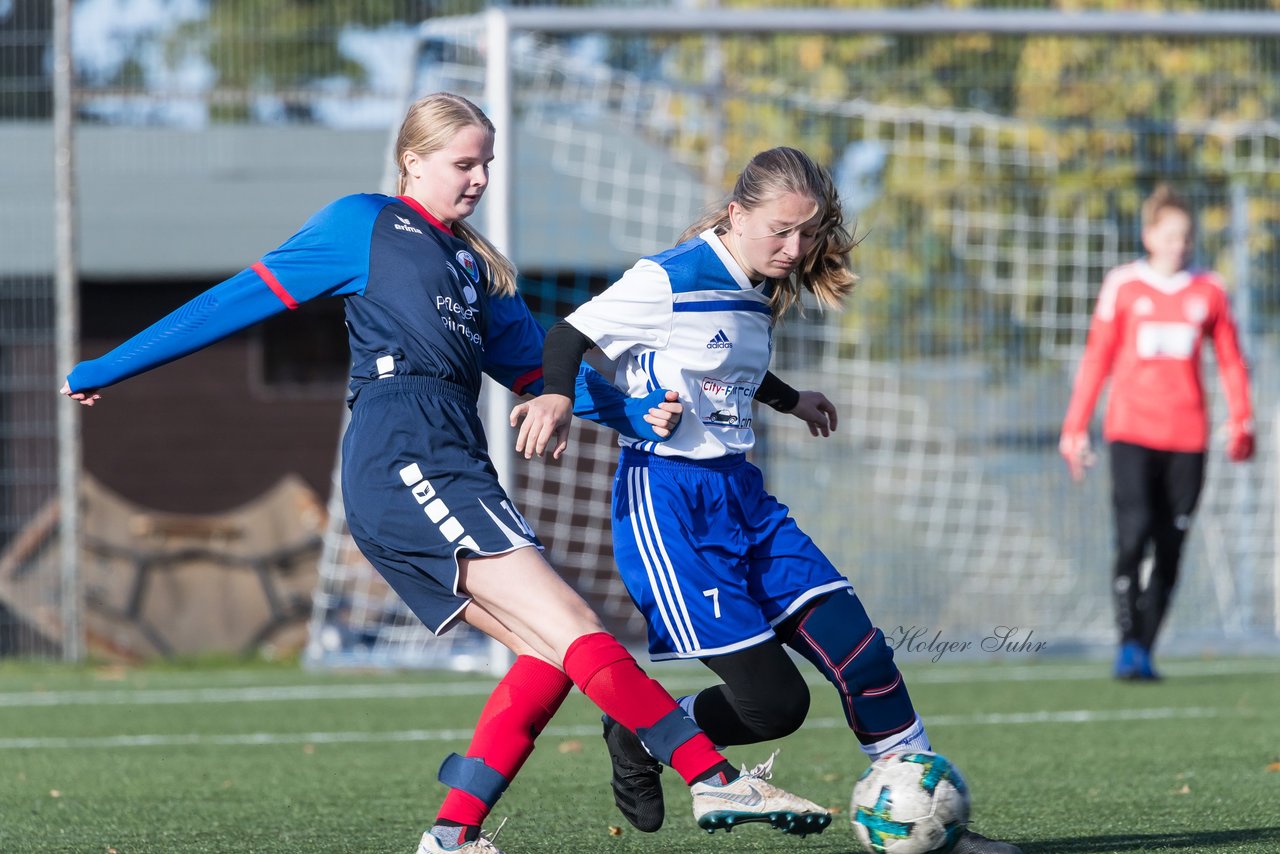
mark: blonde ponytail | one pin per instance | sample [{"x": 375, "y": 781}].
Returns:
[{"x": 502, "y": 273}]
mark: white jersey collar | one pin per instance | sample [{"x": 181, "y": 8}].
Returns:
[
  {"x": 1159, "y": 281},
  {"x": 726, "y": 257}
]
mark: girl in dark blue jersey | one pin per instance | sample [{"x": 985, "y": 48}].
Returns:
[{"x": 430, "y": 306}]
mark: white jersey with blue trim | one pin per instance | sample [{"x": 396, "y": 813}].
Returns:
[{"x": 691, "y": 321}]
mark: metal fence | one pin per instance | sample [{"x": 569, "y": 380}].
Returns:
[
  {"x": 994, "y": 160},
  {"x": 996, "y": 167}
]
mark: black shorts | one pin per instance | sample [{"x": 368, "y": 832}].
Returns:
[{"x": 421, "y": 492}]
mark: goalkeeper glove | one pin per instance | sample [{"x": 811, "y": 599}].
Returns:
[{"x": 1239, "y": 441}]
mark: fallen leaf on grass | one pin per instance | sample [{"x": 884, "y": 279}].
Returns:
[
  {"x": 111, "y": 673},
  {"x": 614, "y": 830}
]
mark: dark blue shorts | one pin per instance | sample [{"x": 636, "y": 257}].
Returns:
[
  {"x": 421, "y": 492},
  {"x": 710, "y": 558}
]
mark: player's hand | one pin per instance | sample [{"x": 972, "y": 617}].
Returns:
[
  {"x": 1077, "y": 452},
  {"x": 85, "y": 398},
  {"x": 814, "y": 409},
  {"x": 665, "y": 417},
  {"x": 1240, "y": 442},
  {"x": 544, "y": 422}
]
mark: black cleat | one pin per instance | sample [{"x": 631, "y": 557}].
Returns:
[
  {"x": 975, "y": 843},
  {"x": 637, "y": 781}
]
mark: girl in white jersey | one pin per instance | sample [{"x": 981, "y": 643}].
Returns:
[{"x": 720, "y": 570}]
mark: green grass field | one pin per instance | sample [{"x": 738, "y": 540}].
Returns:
[{"x": 1060, "y": 759}]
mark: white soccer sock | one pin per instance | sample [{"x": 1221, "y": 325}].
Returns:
[{"x": 911, "y": 738}]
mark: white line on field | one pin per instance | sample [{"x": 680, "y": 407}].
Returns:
[
  {"x": 674, "y": 678},
  {"x": 1076, "y": 716},
  {"x": 263, "y": 694},
  {"x": 921, "y": 672}
]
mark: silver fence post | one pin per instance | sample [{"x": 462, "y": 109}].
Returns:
[
  {"x": 68, "y": 330},
  {"x": 498, "y": 84}
]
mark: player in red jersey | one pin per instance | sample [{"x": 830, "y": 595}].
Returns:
[{"x": 1150, "y": 321}]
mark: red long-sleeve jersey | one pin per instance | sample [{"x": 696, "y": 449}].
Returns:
[{"x": 1146, "y": 334}]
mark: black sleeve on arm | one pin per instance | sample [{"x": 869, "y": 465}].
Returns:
[
  {"x": 774, "y": 392},
  {"x": 562, "y": 354}
]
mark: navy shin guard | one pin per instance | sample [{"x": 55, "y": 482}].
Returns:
[
  {"x": 472, "y": 776},
  {"x": 837, "y": 636},
  {"x": 670, "y": 732}
]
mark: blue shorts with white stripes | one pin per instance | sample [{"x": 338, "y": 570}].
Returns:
[
  {"x": 710, "y": 558},
  {"x": 421, "y": 492}
]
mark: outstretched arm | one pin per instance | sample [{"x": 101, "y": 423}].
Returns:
[
  {"x": 652, "y": 418},
  {"x": 328, "y": 256},
  {"x": 1095, "y": 367},
  {"x": 546, "y": 417},
  {"x": 224, "y": 309},
  {"x": 544, "y": 421},
  {"x": 519, "y": 365}
]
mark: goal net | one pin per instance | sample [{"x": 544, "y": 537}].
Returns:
[{"x": 994, "y": 179}]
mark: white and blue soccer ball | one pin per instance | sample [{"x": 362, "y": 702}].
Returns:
[{"x": 910, "y": 803}]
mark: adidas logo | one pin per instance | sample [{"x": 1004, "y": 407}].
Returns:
[{"x": 720, "y": 342}]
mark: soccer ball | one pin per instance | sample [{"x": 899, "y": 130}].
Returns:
[{"x": 909, "y": 803}]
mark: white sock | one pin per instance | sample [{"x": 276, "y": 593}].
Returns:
[{"x": 910, "y": 739}]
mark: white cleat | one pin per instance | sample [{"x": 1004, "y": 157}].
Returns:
[
  {"x": 484, "y": 845},
  {"x": 752, "y": 797}
]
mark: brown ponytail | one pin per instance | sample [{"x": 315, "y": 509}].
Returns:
[{"x": 824, "y": 271}]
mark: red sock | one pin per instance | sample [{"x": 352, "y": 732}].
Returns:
[
  {"x": 604, "y": 671},
  {"x": 519, "y": 708}
]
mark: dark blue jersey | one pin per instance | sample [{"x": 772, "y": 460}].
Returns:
[
  {"x": 425, "y": 307},
  {"x": 417, "y": 303}
]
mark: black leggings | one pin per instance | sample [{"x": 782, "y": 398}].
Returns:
[
  {"x": 1154, "y": 495},
  {"x": 764, "y": 696}
]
